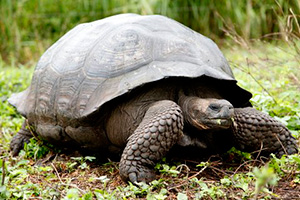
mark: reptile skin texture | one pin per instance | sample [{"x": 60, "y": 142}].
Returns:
[
  {"x": 154, "y": 137},
  {"x": 255, "y": 130},
  {"x": 18, "y": 141}
]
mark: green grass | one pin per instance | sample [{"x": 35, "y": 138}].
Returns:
[
  {"x": 269, "y": 71},
  {"x": 27, "y": 28}
]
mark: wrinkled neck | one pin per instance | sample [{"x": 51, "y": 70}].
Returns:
[{"x": 185, "y": 102}]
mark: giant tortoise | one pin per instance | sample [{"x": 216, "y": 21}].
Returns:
[{"x": 139, "y": 86}]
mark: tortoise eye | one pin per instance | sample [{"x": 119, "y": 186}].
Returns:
[{"x": 214, "y": 107}]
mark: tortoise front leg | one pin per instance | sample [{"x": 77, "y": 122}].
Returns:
[
  {"x": 156, "y": 134},
  {"x": 254, "y": 130},
  {"x": 18, "y": 141}
]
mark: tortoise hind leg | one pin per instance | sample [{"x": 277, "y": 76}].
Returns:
[
  {"x": 156, "y": 134},
  {"x": 254, "y": 130},
  {"x": 18, "y": 141}
]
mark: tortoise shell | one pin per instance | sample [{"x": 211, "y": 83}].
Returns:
[{"x": 99, "y": 61}]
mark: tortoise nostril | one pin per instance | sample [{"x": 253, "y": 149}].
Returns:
[{"x": 227, "y": 111}]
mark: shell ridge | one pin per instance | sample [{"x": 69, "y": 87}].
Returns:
[{"x": 113, "y": 56}]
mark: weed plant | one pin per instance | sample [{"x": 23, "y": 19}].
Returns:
[
  {"x": 270, "y": 71},
  {"x": 27, "y": 28}
]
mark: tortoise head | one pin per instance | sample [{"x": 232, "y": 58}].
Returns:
[{"x": 207, "y": 113}]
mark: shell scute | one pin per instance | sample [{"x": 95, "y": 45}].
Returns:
[{"x": 99, "y": 61}]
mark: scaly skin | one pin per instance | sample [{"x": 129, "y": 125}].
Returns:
[
  {"x": 18, "y": 141},
  {"x": 255, "y": 130},
  {"x": 154, "y": 137},
  {"x": 162, "y": 127}
]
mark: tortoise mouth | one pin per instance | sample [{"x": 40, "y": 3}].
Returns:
[
  {"x": 214, "y": 123},
  {"x": 221, "y": 122}
]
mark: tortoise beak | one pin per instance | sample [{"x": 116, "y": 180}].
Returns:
[{"x": 222, "y": 123}]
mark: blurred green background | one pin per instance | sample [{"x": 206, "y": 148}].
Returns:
[
  {"x": 261, "y": 41},
  {"x": 28, "y": 27}
]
